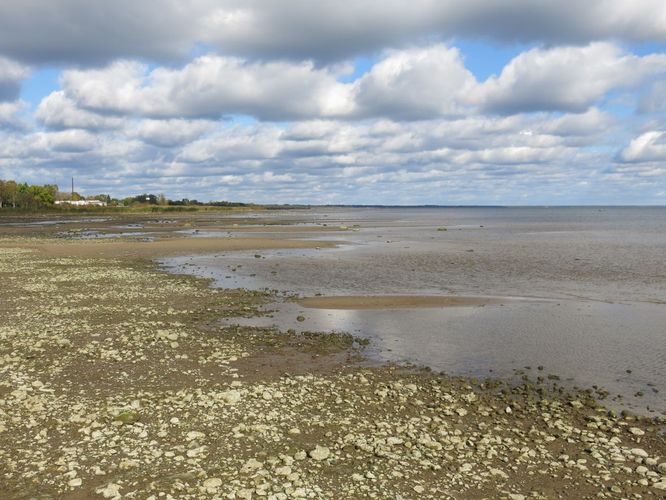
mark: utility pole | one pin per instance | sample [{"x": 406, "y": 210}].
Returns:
[{"x": 72, "y": 198}]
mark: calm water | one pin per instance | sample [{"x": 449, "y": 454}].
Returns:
[{"x": 599, "y": 275}]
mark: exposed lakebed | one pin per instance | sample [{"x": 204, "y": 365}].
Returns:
[{"x": 575, "y": 292}]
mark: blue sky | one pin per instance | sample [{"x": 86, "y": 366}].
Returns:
[{"x": 401, "y": 102}]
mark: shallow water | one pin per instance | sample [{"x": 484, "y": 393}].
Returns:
[
  {"x": 601, "y": 271},
  {"x": 55, "y": 222}
]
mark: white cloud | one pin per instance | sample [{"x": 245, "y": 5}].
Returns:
[
  {"x": 11, "y": 74},
  {"x": 60, "y": 112},
  {"x": 210, "y": 86},
  {"x": 565, "y": 78},
  {"x": 592, "y": 122},
  {"x": 137, "y": 110},
  {"x": 170, "y": 133},
  {"x": 326, "y": 30},
  {"x": 332, "y": 30},
  {"x": 414, "y": 84},
  {"x": 470, "y": 160},
  {"x": 647, "y": 147},
  {"x": 9, "y": 115},
  {"x": 114, "y": 88},
  {"x": 66, "y": 141},
  {"x": 410, "y": 84},
  {"x": 236, "y": 143},
  {"x": 655, "y": 100}
]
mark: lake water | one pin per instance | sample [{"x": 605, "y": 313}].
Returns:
[{"x": 581, "y": 291}]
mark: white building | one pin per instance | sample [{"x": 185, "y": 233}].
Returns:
[{"x": 82, "y": 203}]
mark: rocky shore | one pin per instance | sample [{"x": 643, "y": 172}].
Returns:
[{"x": 117, "y": 381}]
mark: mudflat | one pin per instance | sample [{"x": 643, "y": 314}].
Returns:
[
  {"x": 117, "y": 380},
  {"x": 394, "y": 301},
  {"x": 159, "y": 248}
]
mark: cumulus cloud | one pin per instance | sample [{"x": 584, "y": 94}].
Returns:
[
  {"x": 432, "y": 161},
  {"x": 170, "y": 133},
  {"x": 409, "y": 84},
  {"x": 60, "y": 112},
  {"x": 326, "y": 30},
  {"x": 10, "y": 115},
  {"x": 261, "y": 100},
  {"x": 84, "y": 32},
  {"x": 330, "y": 30},
  {"x": 565, "y": 78},
  {"x": 415, "y": 84},
  {"x": 66, "y": 141},
  {"x": 246, "y": 144},
  {"x": 592, "y": 122},
  {"x": 210, "y": 87},
  {"x": 11, "y": 74},
  {"x": 647, "y": 147}
]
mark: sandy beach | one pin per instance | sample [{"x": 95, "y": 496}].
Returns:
[{"x": 118, "y": 381}]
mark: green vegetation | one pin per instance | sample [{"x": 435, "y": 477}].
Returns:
[
  {"x": 16, "y": 197},
  {"x": 25, "y": 196}
]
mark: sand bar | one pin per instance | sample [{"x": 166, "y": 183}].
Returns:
[
  {"x": 163, "y": 247},
  {"x": 395, "y": 301}
]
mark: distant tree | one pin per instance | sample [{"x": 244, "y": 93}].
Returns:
[
  {"x": 11, "y": 190},
  {"x": 26, "y": 196}
]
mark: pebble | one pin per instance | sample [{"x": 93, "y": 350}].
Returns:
[
  {"x": 498, "y": 472},
  {"x": 320, "y": 453},
  {"x": 110, "y": 491},
  {"x": 212, "y": 483}
]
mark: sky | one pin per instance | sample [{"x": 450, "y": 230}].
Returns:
[{"x": 449, "y": 102}]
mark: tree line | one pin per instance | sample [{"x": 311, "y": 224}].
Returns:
[
  {"x": 24, "y": 195},
  {"x": 32, "y": 196}
]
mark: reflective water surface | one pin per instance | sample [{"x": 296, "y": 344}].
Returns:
[{"x": 590, "y": 284}]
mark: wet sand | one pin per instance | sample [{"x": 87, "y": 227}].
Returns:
[
  {"x": 394, "y": 302},
  {"x": 594, "y": 280},
  {"x": 163, "y": 247}
]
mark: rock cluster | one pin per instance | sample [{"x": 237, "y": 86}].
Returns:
[{"x": 115, "y": 383}]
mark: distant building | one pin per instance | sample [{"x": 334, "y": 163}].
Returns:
[{"x": 82, "y": 203}]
